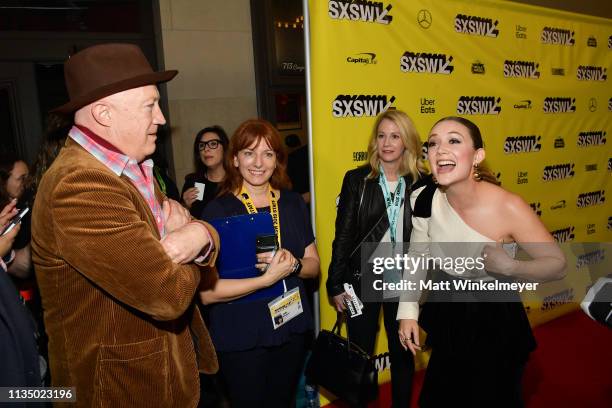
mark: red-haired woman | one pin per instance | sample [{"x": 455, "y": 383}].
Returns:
[{"x": 261, "y": 364}]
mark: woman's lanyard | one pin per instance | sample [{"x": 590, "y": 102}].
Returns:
[
  {"x": 392, "y": 202},
  {"x": 251, "y": 209}
]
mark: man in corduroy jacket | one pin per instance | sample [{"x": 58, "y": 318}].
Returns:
[{"x": 117, "y": 263}]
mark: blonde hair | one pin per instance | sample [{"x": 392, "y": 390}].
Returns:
[{"x": 411, "y": 162}]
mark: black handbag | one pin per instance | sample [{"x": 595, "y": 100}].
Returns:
[{"x": 342, "y": 367}]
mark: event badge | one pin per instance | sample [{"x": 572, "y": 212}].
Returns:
[{"x": 285, "y": 307}]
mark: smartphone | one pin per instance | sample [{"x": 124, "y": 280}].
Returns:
[
  {"x": 14, "y": 221},
  {"x": 265, "y": 243}
]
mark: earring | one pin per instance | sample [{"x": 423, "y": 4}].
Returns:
[
  {"x": 434, "y": 179},
  {"x": 477, "y": 175}
]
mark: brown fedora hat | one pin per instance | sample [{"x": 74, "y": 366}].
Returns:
[{"x": 106, "y": 69}]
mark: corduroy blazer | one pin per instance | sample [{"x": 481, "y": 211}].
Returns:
[{"x": 120, "y": 316}]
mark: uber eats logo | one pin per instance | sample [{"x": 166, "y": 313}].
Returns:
[
  {"x": 522, "y": 144},
  {"x": 557, "y": 36},
  {"x": 478, "y": 105},
  {"x": 422, "y": 62},
  {"x": 559, "y": 105},
  {"x": 558, "y": 172},
  {"x": 591, "y": 198},
  {"x": 360, "y": 105},
  {"x": 588, "y": 139},
  {"x": 591, "y": 73},
  {"x": 360, "y": 10},
  {"x": 521, "y": 69},
  {"x": 563, "y": 234},
  {"x": 475, "y": 25}
]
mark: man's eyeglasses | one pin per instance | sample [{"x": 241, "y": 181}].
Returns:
[{"x": 212, "y": 144}]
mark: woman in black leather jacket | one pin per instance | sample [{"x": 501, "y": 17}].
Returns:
[{"x": 394, "y": 165}]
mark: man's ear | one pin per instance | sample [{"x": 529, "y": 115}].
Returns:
[
  {"x": 479, "y": 156},
  {"x": 101, "y": 112}
]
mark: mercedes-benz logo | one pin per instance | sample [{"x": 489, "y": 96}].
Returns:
[
  {"x": 424, "y": 19},
  {"x": 592, "y": 104}
]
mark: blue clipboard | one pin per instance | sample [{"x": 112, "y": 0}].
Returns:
[{"x": 237, "y": 257}]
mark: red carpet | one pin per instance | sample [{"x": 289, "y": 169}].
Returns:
[{"x": 571, "y": 368}]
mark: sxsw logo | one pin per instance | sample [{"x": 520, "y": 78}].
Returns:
[
  {"x": 559, "y": 105},
  {"x": 590, "y": 258},
  {"x": 588, "y": 139},
  {"x": 557, "y": 36},
  {"x": 610, "y": 164},
  {"x": 591, "y": 73},
  {"x": 522, "y": 144},
  {"x": 610, "y": 42},
  {"x": 475, "y": 25},
  {"x": 366, "y": 58},
  {"x": 478, "y": 105},
  {"x": 521, "y": 69},
  {"x": 591, "y": 198},
  {"x": 558, "y": 172},
  {"x": 558, "y": 299},
  {"x": 422, "y": 62},
  {"x": 360, "y": 105},
  {"x": 564, "y": 234},
  {"x": 536, "y": 208},
  {"x": 610, "y": 104},
  {"x": 360, "y": 10}
]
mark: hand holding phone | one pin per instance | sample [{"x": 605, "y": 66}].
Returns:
[
  {"x": 266, "y": 243},
  {"x": 14, "y": 221}
]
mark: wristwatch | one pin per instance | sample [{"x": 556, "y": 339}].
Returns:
[{"x": 297, "y": 267}]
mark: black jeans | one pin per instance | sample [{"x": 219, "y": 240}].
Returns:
[
  {"x": 363, "y": 330},
  {"x": 264, "y": 377}
]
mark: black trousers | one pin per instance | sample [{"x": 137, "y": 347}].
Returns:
[
  {"x": 265, "y": 377},
  {"x": 473, "y": 379},
  {"x": 363, "y": 330}
]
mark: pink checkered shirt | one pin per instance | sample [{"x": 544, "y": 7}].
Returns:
[{"x": 141, "y": 175}]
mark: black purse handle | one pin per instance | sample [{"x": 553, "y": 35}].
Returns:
[{"x": 336, "y": 329}]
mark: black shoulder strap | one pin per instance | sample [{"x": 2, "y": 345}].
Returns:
[{"x": 422, "y": 205}]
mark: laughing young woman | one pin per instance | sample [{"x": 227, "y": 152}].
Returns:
[{"x": 479, "y": 349}]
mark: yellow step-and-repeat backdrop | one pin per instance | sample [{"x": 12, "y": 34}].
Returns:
[{"x": 534, "y": 80}]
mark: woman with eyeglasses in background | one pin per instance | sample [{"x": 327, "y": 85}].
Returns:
[{"x": 208, "y": 153}]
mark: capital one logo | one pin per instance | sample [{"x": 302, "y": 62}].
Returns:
[
  {"x": 475, "y": 25},
  {"x": 360, "y": 10},
  {"x": 360, "y": 105},
  {"x": 422, "y": 62},
  {"x": 479, "y": 105}
]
